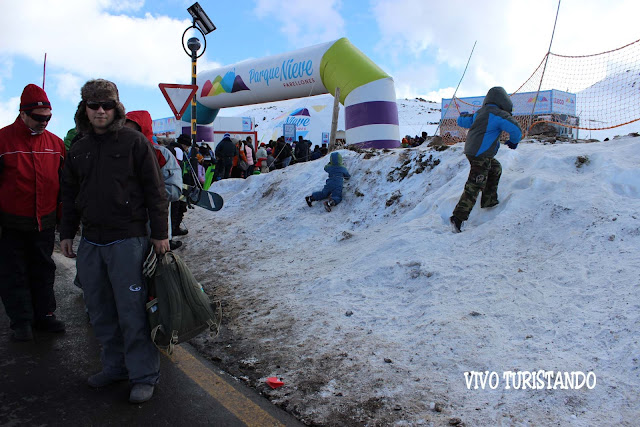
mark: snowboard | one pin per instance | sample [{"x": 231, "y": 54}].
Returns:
[{"x": 203, "y": 198}]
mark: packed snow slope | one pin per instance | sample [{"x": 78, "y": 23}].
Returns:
[{"x": 372, "y": 314}]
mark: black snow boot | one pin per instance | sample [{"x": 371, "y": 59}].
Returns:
[
  {"x": 49, "y": 323},
  {"x": 308, "y": 199},
  {"x": 179, "y": 231},
  {"x": 22, "y": 332},
  {"x": 328, "y": 204},
  {"x": 456, "y": 224}
]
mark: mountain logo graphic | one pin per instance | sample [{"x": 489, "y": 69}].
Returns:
[
  {"x": 300, "y": 112},
  {"x": 533, "y": 99},
  {"x": 230, "y": 83}
]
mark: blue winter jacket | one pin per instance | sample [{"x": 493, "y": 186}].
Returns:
[
  {"x": 337, "y": 174},
  {"x": 486, "y": 125},
  {"x": 336, "y": 170}
]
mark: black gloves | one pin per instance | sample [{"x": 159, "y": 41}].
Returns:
[{"x": 511, "y": 145}]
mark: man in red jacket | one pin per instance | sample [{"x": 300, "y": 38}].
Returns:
[{"x": 31, "y": 160}]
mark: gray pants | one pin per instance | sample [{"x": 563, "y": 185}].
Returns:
[{"x": 115, "y": 294}]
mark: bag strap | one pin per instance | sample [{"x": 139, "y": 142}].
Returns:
[
  {"x": 154, "y": 333},
  {"x": 174, "y": 310}
]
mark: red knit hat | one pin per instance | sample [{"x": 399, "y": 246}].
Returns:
[{"x": 33, "y": 97}]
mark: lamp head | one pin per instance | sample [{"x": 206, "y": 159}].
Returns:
[{"x": 193, "y": 44}]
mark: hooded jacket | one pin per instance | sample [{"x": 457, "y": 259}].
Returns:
[
  {"x": 335, "y": 168},
  {"x": 143, "y": 119},
  {"x": 486, "y": 125},
  {"x": 30, "y": 168},
  {"x": 169, "y": 166}
]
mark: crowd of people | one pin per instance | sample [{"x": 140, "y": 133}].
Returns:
[
  {"x": 235, "y": 158},
  {"x": 409, "y": 141}
]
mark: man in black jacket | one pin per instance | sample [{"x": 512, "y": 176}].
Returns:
[
  {"x": 302, "y": 150},
  {"x": 112, "y": 184},
  {"x": 283, "y": 152},
  {"x": 225, "y": 152}
]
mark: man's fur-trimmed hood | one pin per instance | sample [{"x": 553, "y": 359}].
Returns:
[{"x": 99, "y": 90}]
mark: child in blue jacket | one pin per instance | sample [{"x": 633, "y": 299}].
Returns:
[
  {"x": 483, "y": 141},
  {"x": 333, "y": 186}
]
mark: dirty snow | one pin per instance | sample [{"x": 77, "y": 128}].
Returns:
[{"x": 372, "y": 314}]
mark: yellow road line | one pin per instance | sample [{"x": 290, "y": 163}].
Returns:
[{"x": 234, "y": 401}]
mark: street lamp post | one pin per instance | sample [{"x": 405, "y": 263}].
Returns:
[
  {"x": 203, "y": 24},
  {"x": 194, "y": 45}
]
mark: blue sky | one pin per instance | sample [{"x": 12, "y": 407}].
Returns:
[{"x": 423, "y": 44}]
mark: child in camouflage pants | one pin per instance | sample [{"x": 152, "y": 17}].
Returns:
[
  {"x": 483, "y": 177},
  {"x": 483, "y": 141}
]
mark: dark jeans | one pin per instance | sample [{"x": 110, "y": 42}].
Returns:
[
  {"x": 27, "y": 273},
  {"x": 223, "y": 168},
  {"x": 178, "y": 210}
]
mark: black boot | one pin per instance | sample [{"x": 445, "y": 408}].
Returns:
[
  {"x": 22, "y": 332},
  {"x": 456, "y": 224},
  {"x": 180, "y": 231},
  {"x": 49, "y": 323},
  {"x": 309, "y": 199},
  {"x": 328, "y": 204}
]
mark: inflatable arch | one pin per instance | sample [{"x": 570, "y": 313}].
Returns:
[{"x": 367, "y": 92}]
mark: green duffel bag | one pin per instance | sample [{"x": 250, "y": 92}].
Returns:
[{"x": 178, "y": 308}]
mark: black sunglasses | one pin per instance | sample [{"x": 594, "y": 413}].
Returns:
[
  {"x": 106, "y": 105},
  {"x": 39, "y": 117}
]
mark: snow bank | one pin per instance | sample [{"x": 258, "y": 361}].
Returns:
[{"x": 372, "y": 314}]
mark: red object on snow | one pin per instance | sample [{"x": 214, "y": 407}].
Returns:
[{"x": 274, "y": 382}]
